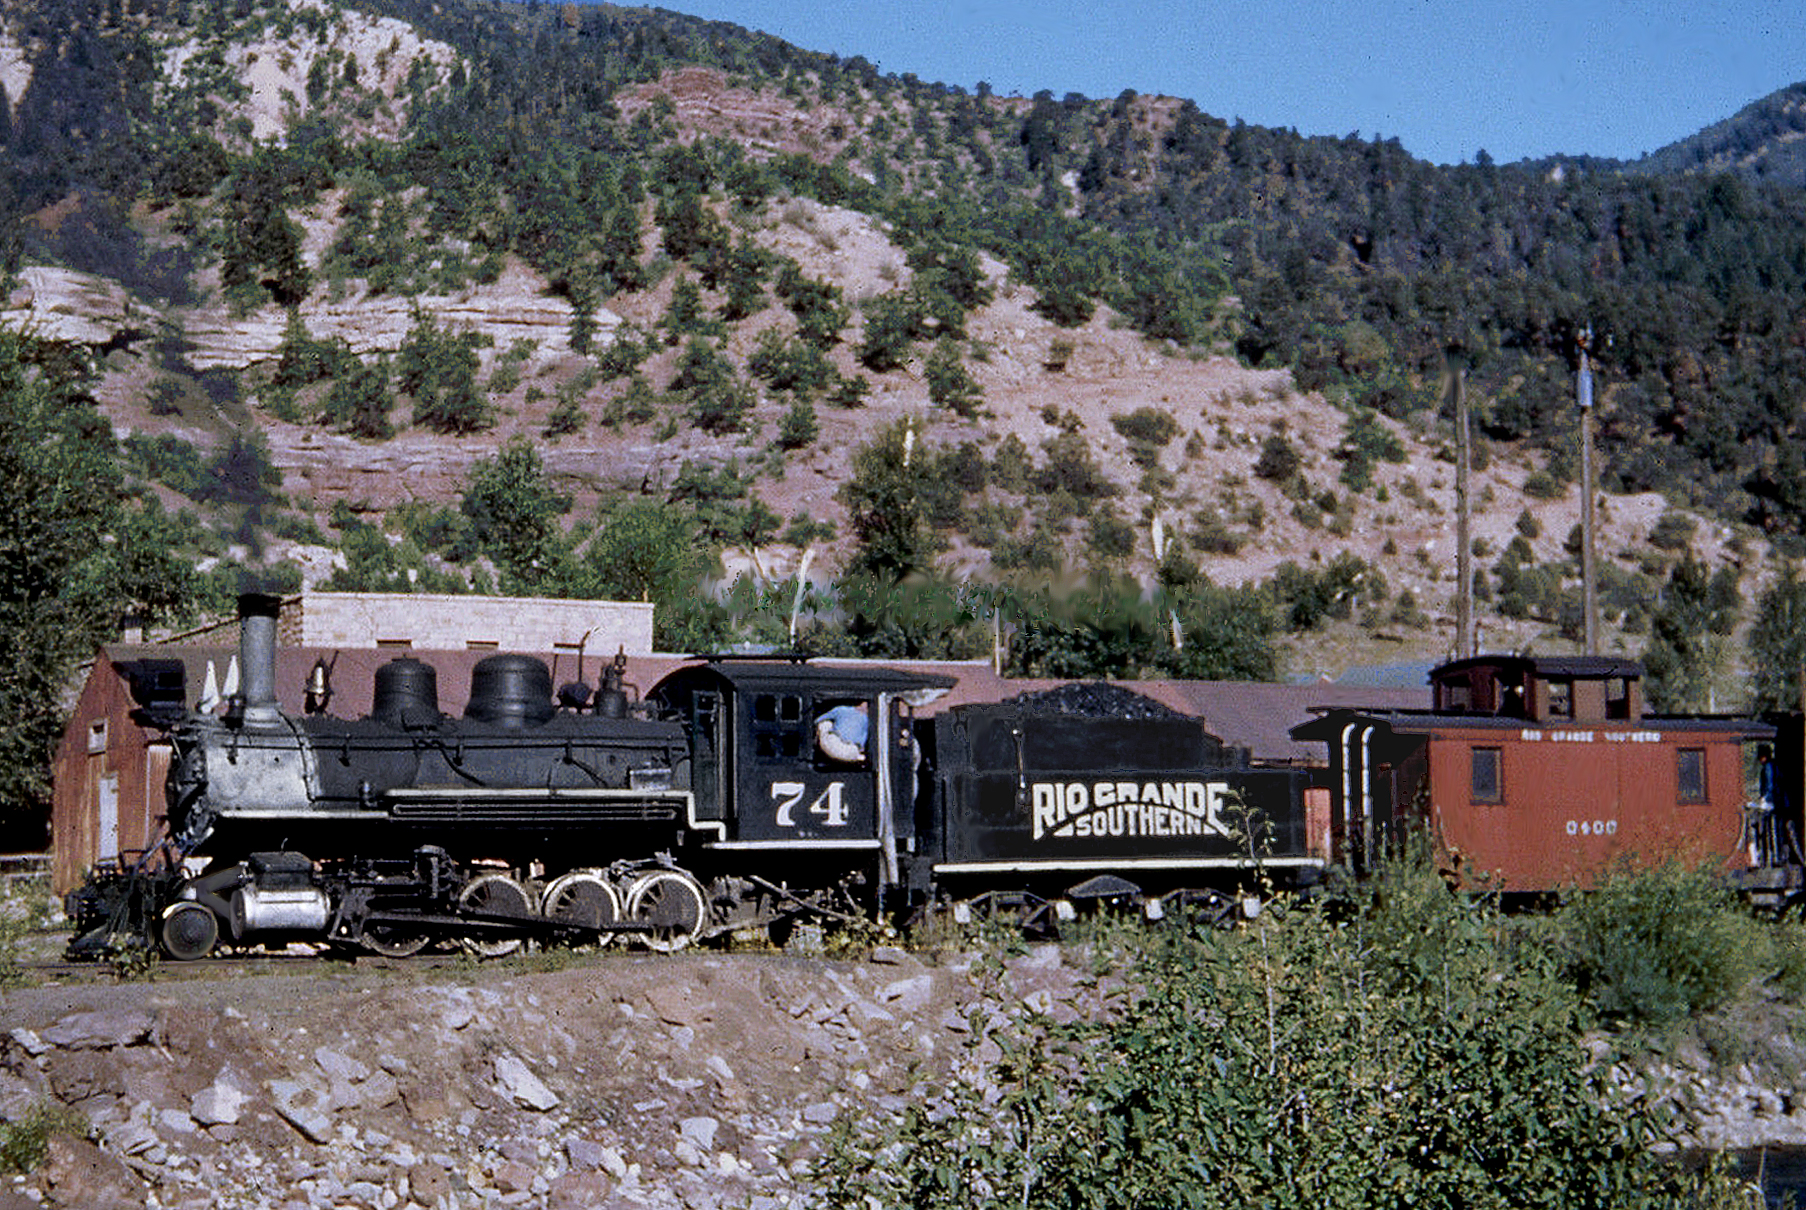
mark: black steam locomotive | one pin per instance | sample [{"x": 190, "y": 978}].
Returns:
[{"x": 738, "y": 794}]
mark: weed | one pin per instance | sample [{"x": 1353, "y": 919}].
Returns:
[{"x": 24, "y": 1143}]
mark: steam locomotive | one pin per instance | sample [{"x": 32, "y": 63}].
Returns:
[{"x": 738, "y": 794}]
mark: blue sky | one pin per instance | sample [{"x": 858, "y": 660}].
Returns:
[{"x": 1518, "y": 78}]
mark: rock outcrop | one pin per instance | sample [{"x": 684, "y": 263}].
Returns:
[{"x": 690, "y": 1081}]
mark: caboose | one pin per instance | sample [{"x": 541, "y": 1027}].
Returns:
[{"x": 1540, "y": 773}]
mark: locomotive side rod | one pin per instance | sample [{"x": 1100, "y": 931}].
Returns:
[{"x": 495, "y": 923}]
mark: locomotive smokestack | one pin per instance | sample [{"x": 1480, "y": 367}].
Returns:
[{"x": 257, "y": 653}]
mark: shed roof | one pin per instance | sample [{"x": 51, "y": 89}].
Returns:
[{"x": 1254, "y": 715}]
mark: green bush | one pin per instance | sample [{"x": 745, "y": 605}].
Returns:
[
  {"x": 1541, "y": 485},
  {"x": 1654, "y": 946},
  {"x": 1146, "y": 425},
  {"x": 1396, "y": 1045},
  {"x": 1278, "y": 460},
  {"x": 1672, "y": 531},
  {"x": 24, "y": 1143}
]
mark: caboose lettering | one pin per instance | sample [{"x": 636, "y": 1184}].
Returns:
[{"x": 1126, "y": 808}]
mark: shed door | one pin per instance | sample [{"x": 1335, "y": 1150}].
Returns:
[
  {"x": 151, "y": 812},
  {"x": 108, "y": 839}
]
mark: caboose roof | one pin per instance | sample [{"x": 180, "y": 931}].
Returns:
[
  {"x": 1330, "y": 721},
  {"x": 1576, "y": 667}
]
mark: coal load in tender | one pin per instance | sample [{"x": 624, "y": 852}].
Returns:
[{"x": 1093, "y": 699}]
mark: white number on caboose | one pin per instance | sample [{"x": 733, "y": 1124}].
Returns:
[
  {"x": 830, "y": 804},
  {"x": 1592, "y": 827}
]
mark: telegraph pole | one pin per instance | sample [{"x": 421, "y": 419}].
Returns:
[
  {"x": 1589, "y": 586},
  {"x": 1464, "y": 555}
]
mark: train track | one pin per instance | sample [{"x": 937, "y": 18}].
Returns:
[{"x": 226, "y": 964}]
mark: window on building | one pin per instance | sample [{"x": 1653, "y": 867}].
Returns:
[
  {"x": 1486, "y": 783},
  {"x": 97, "y": 736},
  {"x": 482, "y": 645},
  {"x": 1617, "y": 697},
  {"x": 1690, "y": 770},
  {"x": 397, "y": 644}
]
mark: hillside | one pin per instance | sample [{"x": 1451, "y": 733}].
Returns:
[
  {"x": 1761, "y": 141},
  {"x": 341, "y": 264}
]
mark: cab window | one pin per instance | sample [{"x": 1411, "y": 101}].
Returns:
[{"x": 778, "y": 727}]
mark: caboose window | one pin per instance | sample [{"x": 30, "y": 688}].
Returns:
[
  {"x": 1617, "y": 697},
  {"x": 1561, "y": 699},
  {"x": 1690, "y": 768},
  {"x": 1485, "y": 784}
]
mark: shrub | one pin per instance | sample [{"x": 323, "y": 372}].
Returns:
[
  {"x": 1146, "y": 425},
  {"x": 1395, "y": 1050},
  {"x": 798, "y": 427},
  {"x": 1656, "y": 945},
  {"x": 25, "y": 1143},
  {"x": 892, "y": 323},
  {"x": 1071, "y": 469},
  {"x": 623, "y": 355},
  {"x": 949, "y": 384},
  {"x": 439, "y": 369},
  {"x": 1541, "y": 485},
  {"x": 1112, "y": 536},
  {"x": 358, "y": 401},
  {"x": 790, "y": 365},
  {"x": 1278, "y": 460},
  {"x": 1672, "y": 531},
  {"x": 850, "y": 392}
]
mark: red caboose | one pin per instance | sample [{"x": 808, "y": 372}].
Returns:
[{"x": 1535, "y": 773}]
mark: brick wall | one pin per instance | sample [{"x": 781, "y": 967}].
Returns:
[{"x": 436, "y": 622}]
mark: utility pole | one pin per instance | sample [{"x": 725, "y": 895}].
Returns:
[
  {"x": 1589, "y": 584},
  {"x": 1464, "y": 555}
]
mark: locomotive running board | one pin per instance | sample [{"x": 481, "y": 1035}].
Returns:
[
  {"x": 1125, "y": 863},
  {"x": 401, "y": 799}
]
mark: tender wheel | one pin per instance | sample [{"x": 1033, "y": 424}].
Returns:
[
  {"x": 494, "y": 895},
  {"x": 674, "y": 905},
  {"x": 188, "y": 931},
  {"x": 393, "y": 941},
  {"x": 583, "y": 899}
]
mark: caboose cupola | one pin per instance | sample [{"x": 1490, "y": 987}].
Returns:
[{"x": 1559, "y": 688}]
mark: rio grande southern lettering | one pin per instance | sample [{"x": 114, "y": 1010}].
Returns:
[{"x": 1129, "y": 808}]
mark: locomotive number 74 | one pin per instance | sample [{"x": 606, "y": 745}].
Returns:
[{"x": 829, "y": 804}]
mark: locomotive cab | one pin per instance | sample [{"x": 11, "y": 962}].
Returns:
[{"x": 789, "y": 758}]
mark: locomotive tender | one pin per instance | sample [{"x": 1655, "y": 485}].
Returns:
[{"x": 739, "y": 794}]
